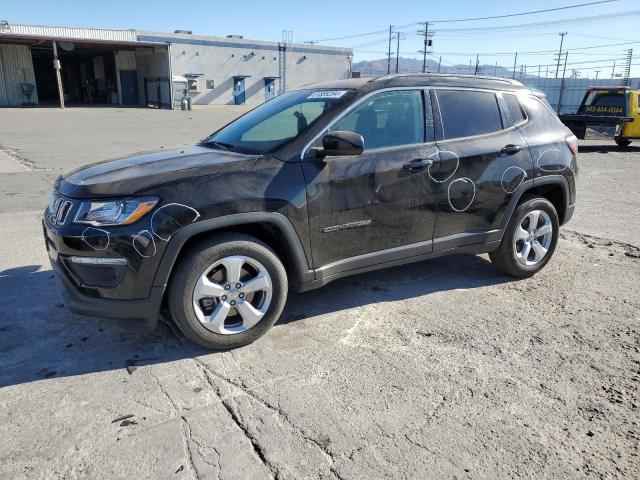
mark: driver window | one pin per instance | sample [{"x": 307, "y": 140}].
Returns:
[
  {"x": 286, "y": 124},
  {"x": 387, "y": 119}
]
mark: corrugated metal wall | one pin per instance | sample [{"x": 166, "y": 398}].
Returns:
[
  {"x": 104, "y": 34},
  {"x": 3, "y": 88},
  {"x": 17, "y": 68},
  {"x": 573, "y": 90}
]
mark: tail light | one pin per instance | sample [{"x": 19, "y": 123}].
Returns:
[{"x": 572, "y": 143}]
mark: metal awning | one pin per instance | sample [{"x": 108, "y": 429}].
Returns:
[
  {"x": 241, "y": 77},
  {"x": 274, "y": 77}
]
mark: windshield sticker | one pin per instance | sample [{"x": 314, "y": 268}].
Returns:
[{"x": 327, "y": 94}]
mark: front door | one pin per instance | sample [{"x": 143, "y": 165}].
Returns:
[
  {"x": 482, "y": 158},
  {"x": 382, "y": 198},
  {"x": 269, "y": 89},
  {"x": 129, "y": 87},
  {"x": 238, "y": 91}
]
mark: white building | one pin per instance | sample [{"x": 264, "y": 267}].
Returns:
[{"x": 87, "y": 66}]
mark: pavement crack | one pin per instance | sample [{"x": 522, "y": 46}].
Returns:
[
  {"x": 28, "y": 165},
  {"x": 185, "y": 429},
  {"x": 257, "y": 447},
  {"x": 188, "y": 438},
  {"x": 593, "y": 241},
  {"x": 208, "y": 373}
]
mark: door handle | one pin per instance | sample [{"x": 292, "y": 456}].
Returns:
[
  {"x": 510, "y": 149},
  {"x": 417, "y": 165}
]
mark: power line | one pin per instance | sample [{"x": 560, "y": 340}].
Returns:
[
  {"x": 548, "y": 23},
  {"x": 523, "y": 13},
  {"x": 376, "y": 32},
  {"x": 589, "y": 47}
]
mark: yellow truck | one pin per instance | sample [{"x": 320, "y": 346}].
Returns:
[{"x": 607, "y": 106}]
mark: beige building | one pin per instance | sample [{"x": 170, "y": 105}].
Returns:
[{"x": 42, "y": 65}]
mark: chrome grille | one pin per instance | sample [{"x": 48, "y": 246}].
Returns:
[{"x": 58, "y": 210}]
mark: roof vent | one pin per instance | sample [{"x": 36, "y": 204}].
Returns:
[
  {"x": 235, "y": 36},
  {"x": 186, "y": 32}
]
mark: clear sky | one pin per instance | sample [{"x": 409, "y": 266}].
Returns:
[{"x": 328, "y": 19}]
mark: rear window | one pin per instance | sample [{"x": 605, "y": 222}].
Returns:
[
  {"x": 516, "y": 114},
  {"x": 604, "y": 103},
  {"x": 465, "y": 113}
]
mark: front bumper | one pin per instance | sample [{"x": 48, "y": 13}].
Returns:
[
  {"x": 131, "y": 296},
  {"x": 139, "y": 314}
]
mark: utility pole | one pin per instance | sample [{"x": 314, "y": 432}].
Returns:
[
  {"x": 562, "y": 34},
  {"x": 597, "y": 72},
  {"x": 564, "y": 71},
  {"x": 389, "y": 53},
  {"x": 398, "y": 35},
  {"x": 495, "y": 70},
  {"x": 428, "y": 42},
  {"x": 477, "y": 64},
  {"x": 469, "y": 66},
  {"x": 56, "y": 66},
  {"x": 514, "y": 65},
  {"x": 439, "y": 63},
  {"x": 613, "y": 70}
]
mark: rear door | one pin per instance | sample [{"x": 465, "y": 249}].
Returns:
[
  {"x": 482, "y": 157},
  {"x": 381, "y": 199}
]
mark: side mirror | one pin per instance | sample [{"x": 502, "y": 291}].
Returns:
[{"x": 342, "y": 143}]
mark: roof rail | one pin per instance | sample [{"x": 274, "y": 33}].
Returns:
[{"x": 451, "y": 75}]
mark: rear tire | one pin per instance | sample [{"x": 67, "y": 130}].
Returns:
[
  {"x": 227, "y": 291},
  {"x": 526, "y": 248},
  {"x": 622, "y": 142}
]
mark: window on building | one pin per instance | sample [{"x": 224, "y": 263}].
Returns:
[
  {"x": 387, "y": 119},
  {"x": 465, "y": 113}
]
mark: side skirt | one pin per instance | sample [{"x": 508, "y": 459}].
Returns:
[{"x": 401, "y": 256}]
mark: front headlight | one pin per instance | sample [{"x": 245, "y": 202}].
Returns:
[{"x": 115, "y": 212}]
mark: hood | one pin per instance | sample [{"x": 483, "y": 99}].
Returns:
[{"x": 132, "y": 174}]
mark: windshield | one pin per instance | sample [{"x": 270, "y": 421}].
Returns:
[{"x": 276, "y": 122}]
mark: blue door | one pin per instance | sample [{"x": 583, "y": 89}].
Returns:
[
  {"x": 238, "y": 91},
  {"x": 129, "y": 87},
  {"x": 269, "y": 89}
]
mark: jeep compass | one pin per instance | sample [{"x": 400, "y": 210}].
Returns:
[{"x": 325, "y": 181}]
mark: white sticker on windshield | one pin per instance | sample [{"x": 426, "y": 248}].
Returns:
[{"x": 327, "y": 94}]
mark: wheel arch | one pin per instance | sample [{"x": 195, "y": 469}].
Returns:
[
  {"x": 554, "y": 188},
  {"x": 272, "y": 228}
]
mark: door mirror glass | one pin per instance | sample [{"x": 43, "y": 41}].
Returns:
[{"x": 342, "y": 143}]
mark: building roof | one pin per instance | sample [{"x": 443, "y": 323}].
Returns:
[
  {"x": 67, "y": 33},
  {"x": 236, "y": 42},
  {"x": 27, "y": 33}
]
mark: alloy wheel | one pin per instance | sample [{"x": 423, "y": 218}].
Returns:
[
  {"x": 533, "y": 237},
  {"x": 232, "y": 295}
]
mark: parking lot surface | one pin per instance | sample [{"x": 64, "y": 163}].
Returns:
[{"x": 442, "y": 369}]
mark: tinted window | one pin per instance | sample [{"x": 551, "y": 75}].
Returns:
[
  {"x": 387, "y": 119},
  {"x": 278, "y": 121},
  {"x": 514, "y": 108},
  {"x": 465, "y": 113}
]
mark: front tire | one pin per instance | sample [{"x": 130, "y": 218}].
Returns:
[
  {"x": 622, "y": 142},
  {"x": 227, "y": 291},
  {"x": 529, "y": 240}
]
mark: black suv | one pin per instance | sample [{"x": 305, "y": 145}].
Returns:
[{"x": 326, "y": 181}]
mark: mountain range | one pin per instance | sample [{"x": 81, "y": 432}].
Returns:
[{"x": 414, "y": 65}]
